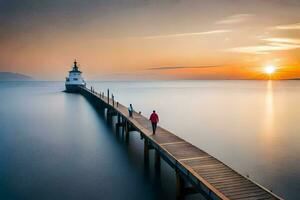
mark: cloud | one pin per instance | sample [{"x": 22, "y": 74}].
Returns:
[
  {"x": 273, "y": 44},
  {"x": 288, "y": 27},
  {"x": 283, "y": 40},
  {"x": 179, "y": 67},
  {"x": 264, "y": 49},
  {"x": 234, "y": 19},
  {"x": 187, "y": 34}
]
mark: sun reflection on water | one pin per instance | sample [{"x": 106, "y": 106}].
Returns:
[
  {"x": 269, "y": 100},
  {"x": 268, "y": 130}
]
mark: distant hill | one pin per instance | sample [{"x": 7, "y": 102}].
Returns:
[{"x": 9, "y": 76}]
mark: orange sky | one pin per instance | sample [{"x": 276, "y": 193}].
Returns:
[{"x": 131, "y": 39}]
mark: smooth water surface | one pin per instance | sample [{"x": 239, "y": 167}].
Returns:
[
  {"x": 253, "y": 126},
  {"x": 55, "y": 145}
]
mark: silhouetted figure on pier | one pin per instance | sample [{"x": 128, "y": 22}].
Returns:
[
  {"x": 130, "y": 110},
  {"x": 154, "y": 120}
]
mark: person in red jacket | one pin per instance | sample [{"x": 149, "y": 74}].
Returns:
[{"x": 154, "y": 120}]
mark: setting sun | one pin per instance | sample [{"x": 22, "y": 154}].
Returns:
[{"x": 270, "y": 69}]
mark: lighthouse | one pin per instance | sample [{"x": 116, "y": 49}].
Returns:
[{"x": 74, "y": 80}]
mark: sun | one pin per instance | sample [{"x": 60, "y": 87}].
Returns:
[{"x": 270, "y": 69}]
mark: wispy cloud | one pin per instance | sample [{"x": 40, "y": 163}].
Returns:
[
  {"x": 263, "y": 49},
  {"x": 273, "y": 44},
  {"x": 288, "y": 27},
  {"x": 283, "y": 40},
  {"x": 187, "y": 34},
  {"x": 180, "y": 67},
  {"x": 234, "y": 19}
]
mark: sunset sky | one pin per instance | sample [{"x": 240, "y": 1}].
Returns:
[{"x": 151, "y": 39}]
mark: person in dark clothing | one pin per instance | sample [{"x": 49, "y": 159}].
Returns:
[
  {"x": 130, "y": 110},
  {"x": 154, "y": 120}
]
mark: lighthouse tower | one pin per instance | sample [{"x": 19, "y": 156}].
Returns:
[{"x": 74, "y": 80}]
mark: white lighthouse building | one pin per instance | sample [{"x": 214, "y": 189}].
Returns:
[{"x": 74, "y": 80}]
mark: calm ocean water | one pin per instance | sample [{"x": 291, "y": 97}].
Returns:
[{"x": 55, "y": 145}]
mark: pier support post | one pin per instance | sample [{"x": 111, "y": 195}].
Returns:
[
  {"x": 157, "y": 162},
  {"x": 123, "y": 128},
  {"x": 179, "y": 186},
  {"x": 146, "y": 152},
  {"x": 110, "y": 113},
  {"x": 127, "y": 133},
  {"x": 118, "y": 124},
  {"x": 141, "y": 135}
]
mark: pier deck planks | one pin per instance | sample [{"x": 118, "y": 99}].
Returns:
[{"x": 215, "y": 175}]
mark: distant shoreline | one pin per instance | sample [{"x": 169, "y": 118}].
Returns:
[{"x": 11, "y": 76}]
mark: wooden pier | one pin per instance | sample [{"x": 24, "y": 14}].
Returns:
[{"x": 203, "y": 173}]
